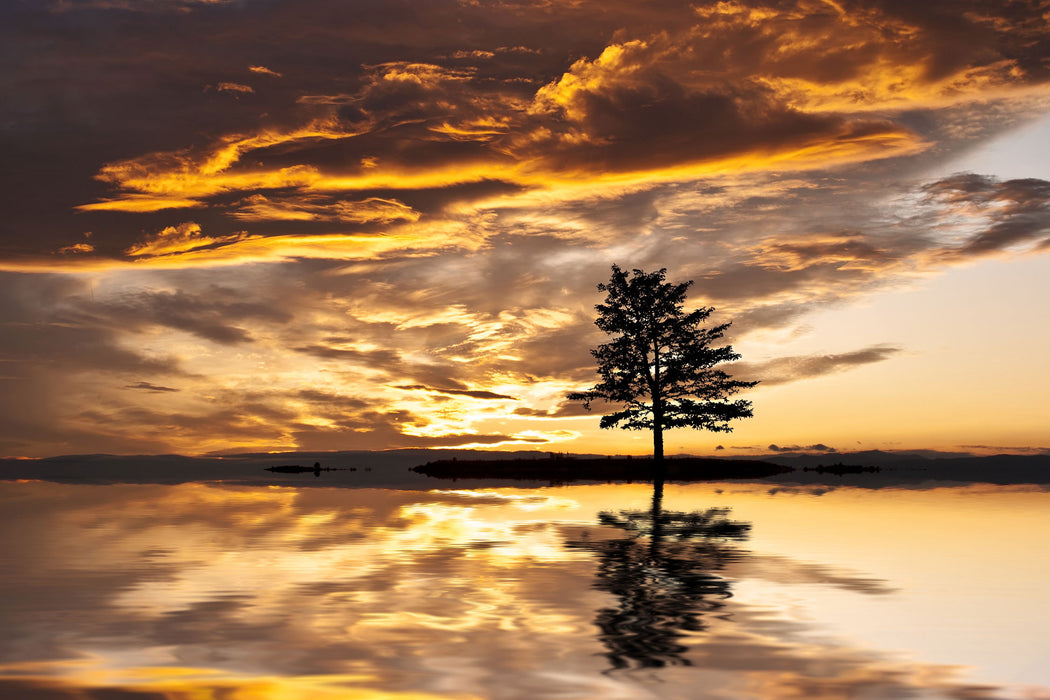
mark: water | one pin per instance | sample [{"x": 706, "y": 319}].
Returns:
[{"x": 218, "y": 591}]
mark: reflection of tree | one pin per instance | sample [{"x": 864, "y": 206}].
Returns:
[{"x": 664, "y": 574}]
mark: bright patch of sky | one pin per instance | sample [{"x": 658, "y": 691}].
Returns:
[
  {"x": 1021, "y": 153},
  {"x": 967, "y": 338}
]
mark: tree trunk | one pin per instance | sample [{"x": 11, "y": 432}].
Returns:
[
  {"x": 658, "y": 446},
  {"x": 658, "y": 410},
  {"x": 658, "y": 430}
]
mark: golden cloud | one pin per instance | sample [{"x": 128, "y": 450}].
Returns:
[
  {"x": 174, "y": 240},
  {"x": 307, "y": 208},
  {"x": 76, "y": 248},
  {"x": 141, "y": 203},
  {"x": 185, "y": 246},
  {"x": 849, "y": 62},
  {"x": 248, "y": 249},
  {"x": 264, "y": 71},
  {"x": 889, "y": 85},
  {"x": 657, "y": 110},
  {"x": 168, "y": 176},
  {"x": 477, "y": 130},
  {"x": 617, "y": 63},
  {"x": 418, "y": 73},
  {"x": 235, "y": 88}
]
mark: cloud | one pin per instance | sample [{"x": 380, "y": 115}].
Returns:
[
  {"x": 568, "y": 409},
  {"x": 235, "y": 89},
  {"x": 473, "y": 394},
  {"x": 630, "y": 110},
  {"x": 211, "y": 315},
  {"x": 183, "y": 238},
  {"x": 314, "y": 208},
  {"x": 338, "y": 353},
  {"x": 146, "y": 386},
  {"x": 51, "y": 366},
  {"x": 140, "y": 203},
  {"x": 263, "y": 70},
  {"x": 980, "y": 215},
  {"x": 189, "y": 174},
  {"x": 628, "y": 114},
  {"x": 145, "y": 6},
  {"x": 819, "y": 447},
  {"x": 784, "y": 370},
  {"x": 76, "y": 248}
]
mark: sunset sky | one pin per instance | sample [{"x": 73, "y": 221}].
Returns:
[{"x": 262, "y": 225}]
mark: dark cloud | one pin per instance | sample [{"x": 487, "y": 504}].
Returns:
[
  {"x": 819, "y": 447},
  {"x": 456, "y": 392},
  {"x": 624, "y": 117},
  {"x": 39, "y": 335},
  {"x": 146, "y": 386},
  {"x": 209, "y": 313},
  {"x": 350, "y": 404},
  {"x": 377, "y": 358},
  {"x": 459, "y": 86},
  {"x": 1008, "y": 212}
]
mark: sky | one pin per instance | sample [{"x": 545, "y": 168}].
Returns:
[{"x": 267, "y": 225}]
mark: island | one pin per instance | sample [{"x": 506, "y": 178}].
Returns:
[{"x": 565, "y": 469}]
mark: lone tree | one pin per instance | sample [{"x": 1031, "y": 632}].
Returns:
[{"x": 660, "y": 365}]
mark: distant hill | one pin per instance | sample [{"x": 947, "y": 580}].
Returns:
[{"x": 916, "y": 467}]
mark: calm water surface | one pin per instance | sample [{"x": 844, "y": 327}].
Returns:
[{"x": 211, "y": 591}]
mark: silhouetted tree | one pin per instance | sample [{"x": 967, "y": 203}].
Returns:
[
  {"x": 665, "y": 577},
  {"x": 661, "y": 364}
]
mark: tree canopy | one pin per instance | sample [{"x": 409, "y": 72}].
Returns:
[{"x": 660, "y": 366}]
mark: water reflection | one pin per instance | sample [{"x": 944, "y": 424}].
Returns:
[
  {"x": 210, "y": 591},
  {"x": 665, "y": 577}
]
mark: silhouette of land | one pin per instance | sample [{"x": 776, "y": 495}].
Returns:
[
  {"x": 840, "y": 469},
  {"x": 566, "y": 469},
  {"x": 875, "y": 468},
  {"x": 398, "y": 468},
  {"x": 298, "y": 469}
]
